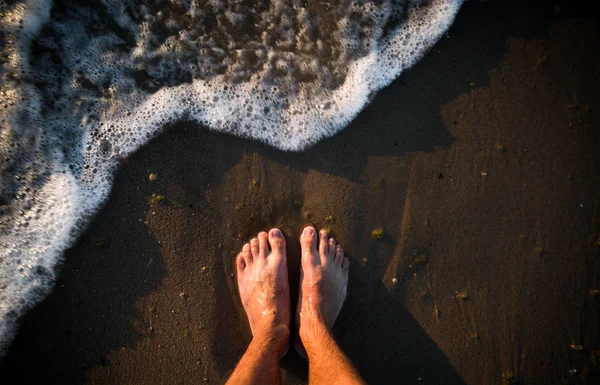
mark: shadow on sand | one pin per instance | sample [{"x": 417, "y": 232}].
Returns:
[{"x": 93, "y": 308}]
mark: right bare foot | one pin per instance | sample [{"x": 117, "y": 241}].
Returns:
[{"x": 323, "y": 283}]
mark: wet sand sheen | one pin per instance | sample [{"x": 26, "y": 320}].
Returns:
[{"x": 479, "y": 166}]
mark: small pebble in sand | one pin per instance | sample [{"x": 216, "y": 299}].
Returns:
[
  {"x": 484, "y": 174},
  {"x": 577, "y": 347},
  {"x": 377, "y": 233},
  {"x": 152, "y": 177},
  {"x": 203, "y": 268},
  {"x": 364, "y": 260},
  {"x": 394, "y": 280},
  {"x": 183, "y": 295}
]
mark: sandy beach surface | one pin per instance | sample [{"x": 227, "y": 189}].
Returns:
[{"x": 480, "y": 165}]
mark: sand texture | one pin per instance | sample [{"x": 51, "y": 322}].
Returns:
[{"x": 480, "y": 165}]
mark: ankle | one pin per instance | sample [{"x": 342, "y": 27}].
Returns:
[
  {"x": 273, "y": 336},
  {"x": 312, "y": 333}
]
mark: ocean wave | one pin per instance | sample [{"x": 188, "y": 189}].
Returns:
[{"x": 85, "y": 85}]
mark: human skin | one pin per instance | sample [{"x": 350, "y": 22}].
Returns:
[{"x": 264, "y": 290}]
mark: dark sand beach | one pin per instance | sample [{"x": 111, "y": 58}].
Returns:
[{"x": 480, "y": 164}]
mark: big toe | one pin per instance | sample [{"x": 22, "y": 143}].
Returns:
[
  {"x": 277, "y": 241},
  {"x": 308, "y": 243}
]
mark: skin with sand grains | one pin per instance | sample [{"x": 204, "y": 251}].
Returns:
[{"x": 264, "y": 290}]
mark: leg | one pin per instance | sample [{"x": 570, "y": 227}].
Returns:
[
  {"x": 323, "y": 282},
  {"x": 265, "y": 293}
]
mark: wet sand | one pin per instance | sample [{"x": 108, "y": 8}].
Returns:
[{"x": 481, "y": 166}]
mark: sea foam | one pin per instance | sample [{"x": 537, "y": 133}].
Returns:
[{"x": 85, "y": 85}]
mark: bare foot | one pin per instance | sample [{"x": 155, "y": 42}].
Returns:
[
  {"x": 264, "y": 288},
  {"x": 323, "y": 283}
]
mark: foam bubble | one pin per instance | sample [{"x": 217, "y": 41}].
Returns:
[{"x": 90, "y": 86}]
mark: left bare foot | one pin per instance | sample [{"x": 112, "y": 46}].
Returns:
[{"x": 264, "y": 289}]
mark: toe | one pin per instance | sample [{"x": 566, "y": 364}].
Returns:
[
  {"x": 246, "y": 255},
  {"x": 308, "y": 243},
  {"x": 277, "y": 241},
  {"x": 263, "y": 244},
  {"x": 345, "y": 264},
  {"x": 331, "y": 249},
  {"x": 323, "y": 244},
  {"x": 241, "y": 264},
  {"x": 254, "y": 247},
  {"x": 339, "y": 255}
]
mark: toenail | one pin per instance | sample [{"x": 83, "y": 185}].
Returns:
[
  {"x": 277, "y": 233},
  {"x": 309, "y": 231}
]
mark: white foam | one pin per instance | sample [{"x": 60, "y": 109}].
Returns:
[{"x": 289, "y": 82}]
